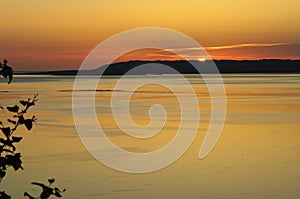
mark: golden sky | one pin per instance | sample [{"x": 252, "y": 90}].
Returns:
[{"x": 56, "y": 34}]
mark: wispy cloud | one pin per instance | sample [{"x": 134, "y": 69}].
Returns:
[
  {"x": 228, "y": 46},
  {"x": 243, "y": 51},
  {"x": 245, "y": 45},
  {"x": 248, "y": 51}
]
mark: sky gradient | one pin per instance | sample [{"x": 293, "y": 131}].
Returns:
[{"x": 51, "y": 35}]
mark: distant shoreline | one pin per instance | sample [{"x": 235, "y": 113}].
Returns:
[{"x": 271, "y": 66}]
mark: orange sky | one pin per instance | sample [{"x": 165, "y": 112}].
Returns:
[{"x": 47, "y": 35}]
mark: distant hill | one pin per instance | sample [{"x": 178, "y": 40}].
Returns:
[{"x": 184, "y": 67}]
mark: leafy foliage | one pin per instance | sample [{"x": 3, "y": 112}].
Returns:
[
  {"x": 6, "y": 71},
  {"x": 9, "y": 158},
  {"x": 8, "y": 155},
  {"x": 47, "y": 191}
]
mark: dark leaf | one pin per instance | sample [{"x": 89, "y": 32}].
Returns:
[
  {"x": 12, "y": 121},
  {"x": 24, "y": 103},
  {"x": 13, "y": 108},
  {"x": 1, "y": 123},
  {"x": 51, "y": 180},
  {"x": 15, "y": 161},
  {"x": 16, "y": 139},
  {"x": 6, "y": 131},
  {"x": 7, "y": 142},
  {"x": 28, "y": 124}
]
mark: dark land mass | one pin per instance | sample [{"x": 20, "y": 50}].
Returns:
[{"x": 185, "y": 67}]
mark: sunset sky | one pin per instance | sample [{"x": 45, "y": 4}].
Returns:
[{"x": 54, "y": 35}]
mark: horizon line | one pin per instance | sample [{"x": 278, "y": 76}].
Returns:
[{"x": 138, "y": 60}]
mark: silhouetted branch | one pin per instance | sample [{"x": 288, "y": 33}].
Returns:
[
  {"x": 6, "y": 71},
  {"x": 47, "y": 191},
  {"x": 8, "y": 155}
]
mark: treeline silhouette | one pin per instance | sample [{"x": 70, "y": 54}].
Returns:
[{"x": 185, "y": 67}]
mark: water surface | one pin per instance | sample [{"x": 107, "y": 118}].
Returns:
[{"x": 257, "y": 155}]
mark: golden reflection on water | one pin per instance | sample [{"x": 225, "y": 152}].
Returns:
[{"x": 257, "y": 155}]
